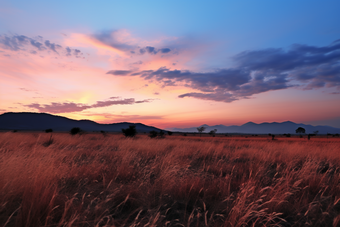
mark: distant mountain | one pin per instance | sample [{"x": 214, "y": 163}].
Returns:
[
  {"x": 41, "y": 121},
  {"x": 263, "y": 128}
]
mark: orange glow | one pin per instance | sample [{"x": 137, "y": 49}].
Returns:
[{"x": 48, "y": 77}]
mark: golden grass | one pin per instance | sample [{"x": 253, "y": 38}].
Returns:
[{"x": 92, "y": 180}]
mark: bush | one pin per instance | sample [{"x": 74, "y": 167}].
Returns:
[
  {"x": 103, "y": 133},
  {"x": 161, "y": 134},
  {"x": 153, "y": 134},
  {"x": 213, "y": 132},
  {"x": 75, "y": 131},
  {"x": 49, "y": 130},
  {"x": 130, "y": 131},
  {"x": 169, "y": 133}
]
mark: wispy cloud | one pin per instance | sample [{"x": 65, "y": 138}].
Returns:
[
  {"x": 68, "y": 107},
  {"x": 123, "y": 41},
  {"x": 119, "y": 72},
  {"x": 35, "y": 45}
]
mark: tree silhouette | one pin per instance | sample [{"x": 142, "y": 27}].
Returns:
[
  {"x": 200, "y": 130},
  {"x": 213, "y": 132},
  {"x": 153, "y": 134},
  {"x": 161, "y": 134},
  {"x": 75, "y": 131},
  {"x": 49, "y": 130},
  {"x": 130, "y": 131},
  {"x": 300, "y": 130}
]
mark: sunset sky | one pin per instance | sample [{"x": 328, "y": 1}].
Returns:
[{"x": 172, "y": 63}]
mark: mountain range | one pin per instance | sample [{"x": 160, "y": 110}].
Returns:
[
  {"x": 42, "y": 121},
  {"x": 263, "y": 128}
]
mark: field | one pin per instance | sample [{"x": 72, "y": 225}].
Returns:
[{"x": 110, "y": 180}]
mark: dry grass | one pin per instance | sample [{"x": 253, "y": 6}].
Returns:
[{"x": 92, "y": 180}]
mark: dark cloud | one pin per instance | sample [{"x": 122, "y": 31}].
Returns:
[
  {"x": 77, "y": 52},
  {"x": 24, "y": 43},
  {"x": 137, "y": 63},
  {"x": 119, "y": 72},
  {"x": 142, "y": 51},
  {"x": 68, "y": 51},
  {"x": 314, "y": 66},
  {"x": 230, "y": 79},
  {"x": 114, "y": 102},
  {"x": 37, "y": 44},
  {"x": 222, "y": 97},
  {"x": 52, "y": 46},
  {"x": 298, "y": 56},
  {"x": 68, "y": 107},
  {"x": 14, "y": 43},
  {"x": 165, "y": 50},
  {"x": 258, "y": 71},
  {"x": 224, "y": 85},
  {"x": 143, "y": 101},
  {"x": 153, "y": 50}
]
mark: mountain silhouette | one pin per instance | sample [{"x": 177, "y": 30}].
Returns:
[
  {"x": 42, "y": 121},
  {"x": 263, "y": 128}
]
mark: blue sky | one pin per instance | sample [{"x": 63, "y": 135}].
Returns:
[{"x": 209, "y": 39}]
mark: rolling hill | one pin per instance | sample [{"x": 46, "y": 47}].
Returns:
[
  {"x": 41, "y": 121},
  {"x": 263, "y": 128}
]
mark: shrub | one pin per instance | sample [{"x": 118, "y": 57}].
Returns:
[
  {"x": 130, "y": 131},
  {"x": 153, "y": 134},
  {"x": 161, "y": 134},
  {"x": 49, "y": 130},
  {"x": 213, "y": 132},
  {"x": 103, "y": 133},
  {"x": 169, "y": 133},
  {"x": 75, "y": 131}
]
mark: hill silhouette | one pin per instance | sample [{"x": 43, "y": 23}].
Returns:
[
  {"x": 41, "y": 121},
  {"x": 263, "y": 128}
]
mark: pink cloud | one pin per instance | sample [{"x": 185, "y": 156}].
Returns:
[{"x": 68, "y": 107}]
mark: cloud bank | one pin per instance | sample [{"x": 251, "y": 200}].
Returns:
[
  {"x": 255, "y": 72},
  {"x": 68, "y": 107}
]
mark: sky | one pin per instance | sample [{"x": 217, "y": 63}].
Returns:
[{"x": 172, "y": 63}]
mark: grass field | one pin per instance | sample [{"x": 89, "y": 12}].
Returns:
[{"x": 96, "y": 180}]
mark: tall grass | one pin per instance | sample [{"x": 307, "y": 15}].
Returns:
[{"x": 92, "y": 180}]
